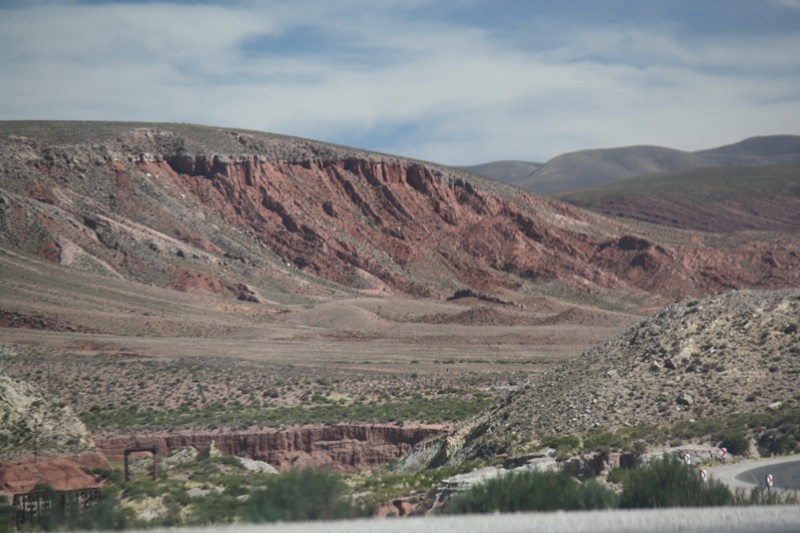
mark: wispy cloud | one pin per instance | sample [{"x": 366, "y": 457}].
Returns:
[{"x": 398, "y": 76}]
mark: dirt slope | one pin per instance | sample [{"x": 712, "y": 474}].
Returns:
[{"x": 719, "y": 199}]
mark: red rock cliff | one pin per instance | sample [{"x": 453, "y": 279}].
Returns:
[
  {"x": 161, "y": 206},
  {"x": 341, "y": 447}
]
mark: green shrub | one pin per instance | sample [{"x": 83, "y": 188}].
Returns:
[
  {"x": 618, "y": 475},
  {"x": 759, "y": 495},
  {"x": 6, "y": 513},
  {"x": 531, "y": 490},
  {"x": 565, "y": 446},
  {"x": 777, "y": 442},
  {"x": 736, "y": 443},
  {"x": 105, "y": 515},
  {"x": 668, "y": 482},
  {"x": 300, "y": 495}
]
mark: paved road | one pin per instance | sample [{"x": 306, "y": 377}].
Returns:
[
  {"x": 774, "y": 519},
  {"x": 785, "y": 473}
]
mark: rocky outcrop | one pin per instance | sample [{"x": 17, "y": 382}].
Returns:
[
  {"x": 734, "y": 353},
  {"x": 341, "y": 447},
  {"x": 61, "y": 473},
  {"x": 35, "y": 421}
]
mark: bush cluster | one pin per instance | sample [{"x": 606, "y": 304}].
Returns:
[
  {"x": 669, "y": 482},
  {"x": 301, "y": 495},
  {"x": 531, "y": 490},
  {"x": 775, "y": 433},
  {"x": 105, "y": 515},
  {"x": 666, "y": 482}
]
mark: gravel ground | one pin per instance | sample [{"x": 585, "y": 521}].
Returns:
[{"x": 719, "y": 519}]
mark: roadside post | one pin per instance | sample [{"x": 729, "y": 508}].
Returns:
[
  {"x": 687, "y": 458},
  {"x": 769, "y": 483},
  {"x": 723, "y": 454}
]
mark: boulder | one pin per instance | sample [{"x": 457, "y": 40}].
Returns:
[
  {"x": 463, "y": 482},
  {"x": 260, "y": 467},
  {"x": 182, "y": 455},
  {"x": 209, "y": 452},
  {"x": 685, "y": 399},
  {"x": 677, "y": 361}
]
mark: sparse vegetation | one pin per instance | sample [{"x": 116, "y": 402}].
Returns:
[
  {"x": 668, "y": 482},
  {"x": 238, "y": 416},
  {"x": 531, "y": 490},
  {"x": 221, "y": 312},
  {"x": 301, "y": 495}
]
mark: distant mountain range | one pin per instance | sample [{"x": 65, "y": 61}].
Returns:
[{"x": 592, "y": 168}]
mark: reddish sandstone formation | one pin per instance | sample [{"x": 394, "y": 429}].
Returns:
[
  {"x": 60, "y": 473},
  {"x": 341, "y": 447},
  {"x": 311, "y": 213}
]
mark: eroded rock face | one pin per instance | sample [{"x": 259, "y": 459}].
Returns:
[
  {"x": 177, "y": 205},
  {"x": 32, "y": 420},
  {"x": 341, "y": 447}
]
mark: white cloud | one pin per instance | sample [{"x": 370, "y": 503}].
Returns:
[
  {"x": 793, "y": 4},
  {"x": 466, "y": 96}
]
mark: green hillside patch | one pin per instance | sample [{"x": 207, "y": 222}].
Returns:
[
  {"x": 445, "y": 409},
  {"x": 702, "y": 186}
]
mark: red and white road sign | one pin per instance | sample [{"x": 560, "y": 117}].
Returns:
[
  {"x": 703, "y": 474},
  {"x": 723, "y": 452},
  {"x": 769, "y": 480},
  {"x": 687, "y": 458}
]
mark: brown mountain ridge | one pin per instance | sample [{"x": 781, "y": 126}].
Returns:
[{"x": 258, "y": 216}]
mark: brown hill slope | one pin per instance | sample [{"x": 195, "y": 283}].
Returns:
[
  {"x": 513, "y": 172},
  {"x": 711, "y": 358},
  {"x": 721, "y": 199},
  {"x": 261, "y": 217}
]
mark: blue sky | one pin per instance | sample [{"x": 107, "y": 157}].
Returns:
[{"x": 456, "y": 82}]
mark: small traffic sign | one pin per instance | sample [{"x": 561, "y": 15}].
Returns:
[
  {"x": 769, "y": 480},
  {"x": 704, "y": 475},
  {"x": 687, "y": 458},
  {"x": 723, "y": 453}
]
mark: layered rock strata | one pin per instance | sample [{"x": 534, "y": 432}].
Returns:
[{"x": 341, "y": 447}]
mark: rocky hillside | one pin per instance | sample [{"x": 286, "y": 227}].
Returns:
[
  {"x": 34, "y": 420},
  {"x": 255, "y": 217},
  {"x": 738, "y": 352}
]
